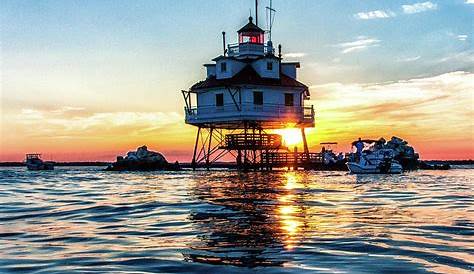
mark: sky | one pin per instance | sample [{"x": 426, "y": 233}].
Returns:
[{"x": 90, "y": 80}]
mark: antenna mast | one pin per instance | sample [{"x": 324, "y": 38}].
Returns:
[
  {"x": 270, "y": 19},
  {"x": 256, "y": 12}
]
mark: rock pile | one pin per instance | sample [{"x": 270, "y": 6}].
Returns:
[
  {"x": 143, "y": 160},
  {"x": 403, "y": 153}
]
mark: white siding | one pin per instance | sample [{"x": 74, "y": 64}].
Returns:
[
  {"x": 211, "y": 70},
  {"x": 273, "y": 109},
  {"x": 260, "y": 67},
  {"x": 208, "y": 98},
  {"x": 233, "y": 67},
  {"x": 275, "y": 96},
  {"x": 289, "y": 69},
  {"x": 271, "y": 96}
]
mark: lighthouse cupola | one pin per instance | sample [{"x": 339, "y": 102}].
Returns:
[
  {"x": 251, "y": 43},
  {"x": 251, "y": 33}
]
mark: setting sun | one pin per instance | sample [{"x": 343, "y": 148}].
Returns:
[{"x": 291, "y": 136}]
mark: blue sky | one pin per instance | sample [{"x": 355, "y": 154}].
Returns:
[
  {"x": 135, "y": 56},
  {"x": 184, "y": 34}
]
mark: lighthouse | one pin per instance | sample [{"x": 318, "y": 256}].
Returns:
[{"x": 248, "y": 92}]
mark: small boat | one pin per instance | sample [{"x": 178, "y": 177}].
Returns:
[
  {"x": 33, "y": 161},
  {"x": 374, "y": 160}
]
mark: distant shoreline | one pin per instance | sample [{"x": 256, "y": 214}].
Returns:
[
  {"x": 13, "y": 164},
  {"x": 16, "y": 164}
]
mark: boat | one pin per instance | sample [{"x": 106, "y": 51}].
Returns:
[
  {"x": 374, "y": 160},
  {"x": 33, "y": 161}
]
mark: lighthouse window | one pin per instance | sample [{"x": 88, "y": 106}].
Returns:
[
  {"x": 219, "y": 100},
  {"x": 289, "y": 101},
  {"x": 258, "y": 98},
  {"x": 269, "y": 66},
  {"x": 223, "y": 67}
]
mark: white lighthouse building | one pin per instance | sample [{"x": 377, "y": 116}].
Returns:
[{"x": 248, "y": 90}]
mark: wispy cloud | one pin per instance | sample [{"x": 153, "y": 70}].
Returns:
[
  {"x": 469, "y": 2},
  {"x": 416, "y": 109},
  {"x": 294, "y": 54},
  {"x": 462, "y": 37},
  {"x": 419, "y": 7},
  {"x": 462, "y": 57},
  {"x": 360, "y": 44},
  {"x": 68, "y": 110},
  {"x": 59, "y": 123},
  {"x": 375, "y": 14},
  {"x": 408, "y": 59}
]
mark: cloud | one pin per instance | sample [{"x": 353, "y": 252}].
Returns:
[
  {"x": 375, "y": 14},
  {"x": 462, "y": 57},
  {"x": 462, "y": 37},
  {"x": 67, "y": 109},
  {"x": 294, "y": 55},
  {"x": 416, "y": 107},
  {"x": 59, "y": 123},
  {"x": 360, "y": 44},
  {"x": 419, "y": 7},
  {"x": 469, "y": 2},
  {"x": 408, "y": 59}
]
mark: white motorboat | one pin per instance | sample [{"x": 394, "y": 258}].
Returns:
[
  {"x": 379, "y": 161},
  {"x": 33, "y": 161}
]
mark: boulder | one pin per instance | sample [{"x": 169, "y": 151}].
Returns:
[
  {"x": 404, "y": 153},
  {"x": 142, "y": 159}
]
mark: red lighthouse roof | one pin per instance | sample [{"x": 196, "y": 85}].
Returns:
[
  {"x": 250, "y": 27},
  {"x": 251, "y": 33}
]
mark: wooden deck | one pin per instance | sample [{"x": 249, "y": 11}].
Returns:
[
  {"x": 294, "y": 160},
  {"x": 251, "y": 141}
]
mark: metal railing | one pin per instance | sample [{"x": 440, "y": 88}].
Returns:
[
  {"x": 249, "y": 48},
  {"x": 291, "y": 158},
  {"x": 304, "y": 113}
]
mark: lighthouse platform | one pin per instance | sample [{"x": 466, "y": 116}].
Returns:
[{"x": 269, "y": 116}]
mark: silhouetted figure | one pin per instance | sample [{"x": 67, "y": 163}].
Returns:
[
  {"x": 359, "y": 146},
  {"x": 340, "y": 156}
]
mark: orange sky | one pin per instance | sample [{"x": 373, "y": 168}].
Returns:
[
  {"x": 94, "y": 80},
  {"x": 434, "y": 114}
]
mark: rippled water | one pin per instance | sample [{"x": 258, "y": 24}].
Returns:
[{"x": 84, "y": 220}]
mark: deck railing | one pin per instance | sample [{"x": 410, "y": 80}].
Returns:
[
  {"x": 301, "y": 113},
  {"x": 289, "y": 158},
  {"x": 253, "y": 141},
  {"x": 249, "y": 48}
]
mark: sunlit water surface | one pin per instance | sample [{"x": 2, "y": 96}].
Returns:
[{"x": 85, "y": 220}]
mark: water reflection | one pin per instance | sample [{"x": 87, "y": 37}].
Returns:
[
  {"x": 249, "y": 219},
  {"x": 265, "y": 219},
  {"x": 253, "y": 218},
  {"x": 85, "y": 220}
]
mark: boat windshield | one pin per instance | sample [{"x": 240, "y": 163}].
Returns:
[{"x": 33, "y": 156}]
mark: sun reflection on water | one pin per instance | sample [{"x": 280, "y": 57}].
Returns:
[
  {"x": 288, "y": 211},
  {"x": 303, "y": 220}
]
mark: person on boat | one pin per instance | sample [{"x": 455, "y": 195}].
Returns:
[
  {"x": 340, "y": 156},
  {"x": 359, "y": 146}
]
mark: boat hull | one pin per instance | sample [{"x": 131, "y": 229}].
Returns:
[
  {"x": 356, "y": 168},
  {"x": 42, "y": 166}
]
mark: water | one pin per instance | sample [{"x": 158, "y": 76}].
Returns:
[{"x": 81, "y": 220}]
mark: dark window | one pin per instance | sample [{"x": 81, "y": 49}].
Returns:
[
  {"x": 269, "y": 65},
  {"x": 223, "y": 67},
  {"x": 258, "y": 98},
  {"x": 289, "y": 99},
  {"x": 219, "y": 100}
]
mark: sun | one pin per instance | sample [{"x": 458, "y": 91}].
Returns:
[{"x": 291, "y": 136}]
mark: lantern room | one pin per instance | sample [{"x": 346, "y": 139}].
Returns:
[{"x": 251, "y": 33}]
